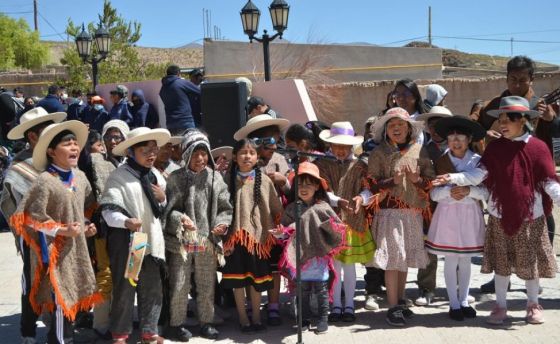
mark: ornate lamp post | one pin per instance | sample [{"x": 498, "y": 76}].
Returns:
[
  {"x": 84, "y": 45},
  {"x": 250, "y": 15}
]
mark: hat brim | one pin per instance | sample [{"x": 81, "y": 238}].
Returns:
[
  {"x": 378, "y": 129},
  {"x": 176, "y": 140},
  {"x": 427, "y": 116},
  {"x": 18, "y": 132},
  {"x": 161, "y": 136},
  {"x": 79, "y": 129},
  {"x": 246, "y": 130},
  {"x": 444, "y": 125},
  {"x": 348, "y": 140},
  {"x": 227, "y": 150},
  {"x": 496, "y": 113}
]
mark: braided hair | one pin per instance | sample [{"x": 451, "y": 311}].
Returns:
[{"x": 234, "y": 168}]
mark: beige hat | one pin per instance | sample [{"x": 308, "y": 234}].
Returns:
[
  {"x": 435, "y": 111},
  {"x": 258, "y": 122},
  {"x": 117, "y": 124},
  {"x": 218, "y": 152},
  {"x": 141, "y": 134},
  {"x": 33, "y": 117},
  {"x": 176, "y": 140},
  {"x": 79, "y": 129},
  {"x": 378, "y": 128},
  {"x": 341, "y": 133}
]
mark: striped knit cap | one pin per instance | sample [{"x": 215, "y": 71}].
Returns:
[{"x": 192, "y": 139}]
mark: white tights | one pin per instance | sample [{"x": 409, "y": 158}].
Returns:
[
  {"x": 349, "y": 272},
  {"x": 451, "y": 272},
  {"x": 501, "y": 284}
]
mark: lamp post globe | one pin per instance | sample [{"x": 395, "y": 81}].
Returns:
[
  {"x": 83, "y": 44},
  {"x": 250, "y": 16},
  {"x": 102, "y": 40},
  {"x": 279, "y": 12}
]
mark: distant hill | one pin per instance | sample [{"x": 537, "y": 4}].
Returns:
[{"x": 456, "y": 58}]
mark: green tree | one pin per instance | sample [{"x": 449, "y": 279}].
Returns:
[
  {"x": 19, "y": 46},
  {"x": 121, "y": 65}
]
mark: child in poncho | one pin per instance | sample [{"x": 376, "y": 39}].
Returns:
[
  {"x": 248, "y": 243},
  {"x": 50, "y": 219},
  {"x": 197, "y": 215},
  {"x": 323, "y": 236}
]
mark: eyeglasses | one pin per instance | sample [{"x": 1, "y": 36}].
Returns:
[
  {"x": 145, "y": 151},
  {"x": 264, "y": 141},
  {"x": 511, "y": 117},
  {"x": 403, "y": 94},
  {"x": 116, "y": 138},
  {"x": 458, "y": 137}
]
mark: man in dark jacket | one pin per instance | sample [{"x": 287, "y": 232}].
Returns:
[
  {"x": 95, "y": 115},
  {"x": 76, "y": 106},
  {"x": 174, "y": 94},
  {"x": 120, "y": 109},
  {"x": 143, "y": 113},
  {"x": 51, "y": 102}
]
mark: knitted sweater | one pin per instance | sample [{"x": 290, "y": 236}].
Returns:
[
  {"x": 204, "y": 198},
  {"x": 68, "y": 273}
]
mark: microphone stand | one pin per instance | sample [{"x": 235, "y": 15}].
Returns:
[{"x": 293, "y": 158}]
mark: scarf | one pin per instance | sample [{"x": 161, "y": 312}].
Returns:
[
  {"x": 516, "y": 170},
  {"x": 147, "y": 179}
]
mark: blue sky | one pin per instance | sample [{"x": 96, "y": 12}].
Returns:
[{"x": 172, "y": 23}]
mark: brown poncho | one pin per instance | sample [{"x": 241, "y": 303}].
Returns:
[
  {"x": 350, "y": 186},
  {"x": 68, "y": 272},
  {"x": 251, "y": 223},
  {"x": 384, "y": 160}
]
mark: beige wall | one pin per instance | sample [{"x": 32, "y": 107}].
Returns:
[{"x": 357, "y": 101}]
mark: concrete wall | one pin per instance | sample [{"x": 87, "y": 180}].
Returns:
[
  {"x": 357, "y": 101},
  {"x": 320, "y": 63}
]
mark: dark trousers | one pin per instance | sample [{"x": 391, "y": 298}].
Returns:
[
  {"x": 28, "y": 321},
  {"x": 550, "y": 225},
  {"x": 321, "y": 289},
  {"x": 149, "y": 288},
  {"x": 61, "y": 330},
  {"x": 427, "y": 277},
  {"x": 374, "y": 278}
]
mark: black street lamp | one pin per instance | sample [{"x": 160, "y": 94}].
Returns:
[
  {"x": 250, "y": 15},
  {"x": 84, "y": 45}
]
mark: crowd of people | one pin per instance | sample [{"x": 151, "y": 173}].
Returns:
[{"x": 110, "y": 211}]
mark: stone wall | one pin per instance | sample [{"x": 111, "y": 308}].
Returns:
[{"x": 357, "y": 101}]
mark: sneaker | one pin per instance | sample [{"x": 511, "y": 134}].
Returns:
[
  {"x": 209, "y": 332},
  {"x": 178, "y": 333},
  {"x": 395, "y": 316},
  {"x": 425, "y": 298},
  {"x": 322, "y": 327},
  {"x": 497, "y": 316},
  {"x": 405, "y": 309},
  {"x": 534, "y": 314},
  {"x": 470, "y": 299},
  {"x": 371, "y": 303},
  {"x": 468, "y": 312},
  {"x": 456, "y": 314}
]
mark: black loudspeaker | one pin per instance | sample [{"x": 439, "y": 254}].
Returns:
[{"x": 223, "y": 110}]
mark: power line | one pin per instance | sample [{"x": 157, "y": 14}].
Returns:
[
  {"x": 508, "y": 33},
  {"x": 405, "y": 40},
  {"x": 498, "y": 40},
  {"x": 22, "y": 12},
  {"x": 52, "y": 27}
]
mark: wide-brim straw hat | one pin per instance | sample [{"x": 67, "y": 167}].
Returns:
[
  {"x": 312, "y": 170},
  {"x": 78, "y": 128},
  {"x": 259, "y": 122},
  {"x": 445, "y": 125},
  {"x": 378, "y": 129},
  {"x": 141, "y": 134},
  {"x": 33, "y": 117},
  {"x": 176, "y": 140},
  {"x": 435, "y": 111},
  {"x": 224, "y": 150},
  {"x": 341, "y": 133},
  {"x": 514, "y": 104}
]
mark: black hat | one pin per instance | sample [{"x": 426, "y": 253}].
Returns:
[
  {"x": 446, "y": 124},
  {"x": 196, "y": 72}
]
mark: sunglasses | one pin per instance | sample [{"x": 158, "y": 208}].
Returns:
[
  {"x": 513, "y": 116},
  {"x": 149, "y": 151},
  {"x": 264, "y": 141},
  {"x": 116, "y": 138}
]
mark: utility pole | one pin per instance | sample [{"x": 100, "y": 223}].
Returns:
[
  {"x": 430, "y": 25},
  {"x": 511, "y": 47},
  {"x": 35, "y": 15}
]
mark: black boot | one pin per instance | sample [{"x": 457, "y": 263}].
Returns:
[
  {"x": 209, "y": 332},
  {"x": 178, "y": 333}
]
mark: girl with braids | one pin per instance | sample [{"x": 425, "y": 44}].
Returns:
[{"x": 248, "y": 243}]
